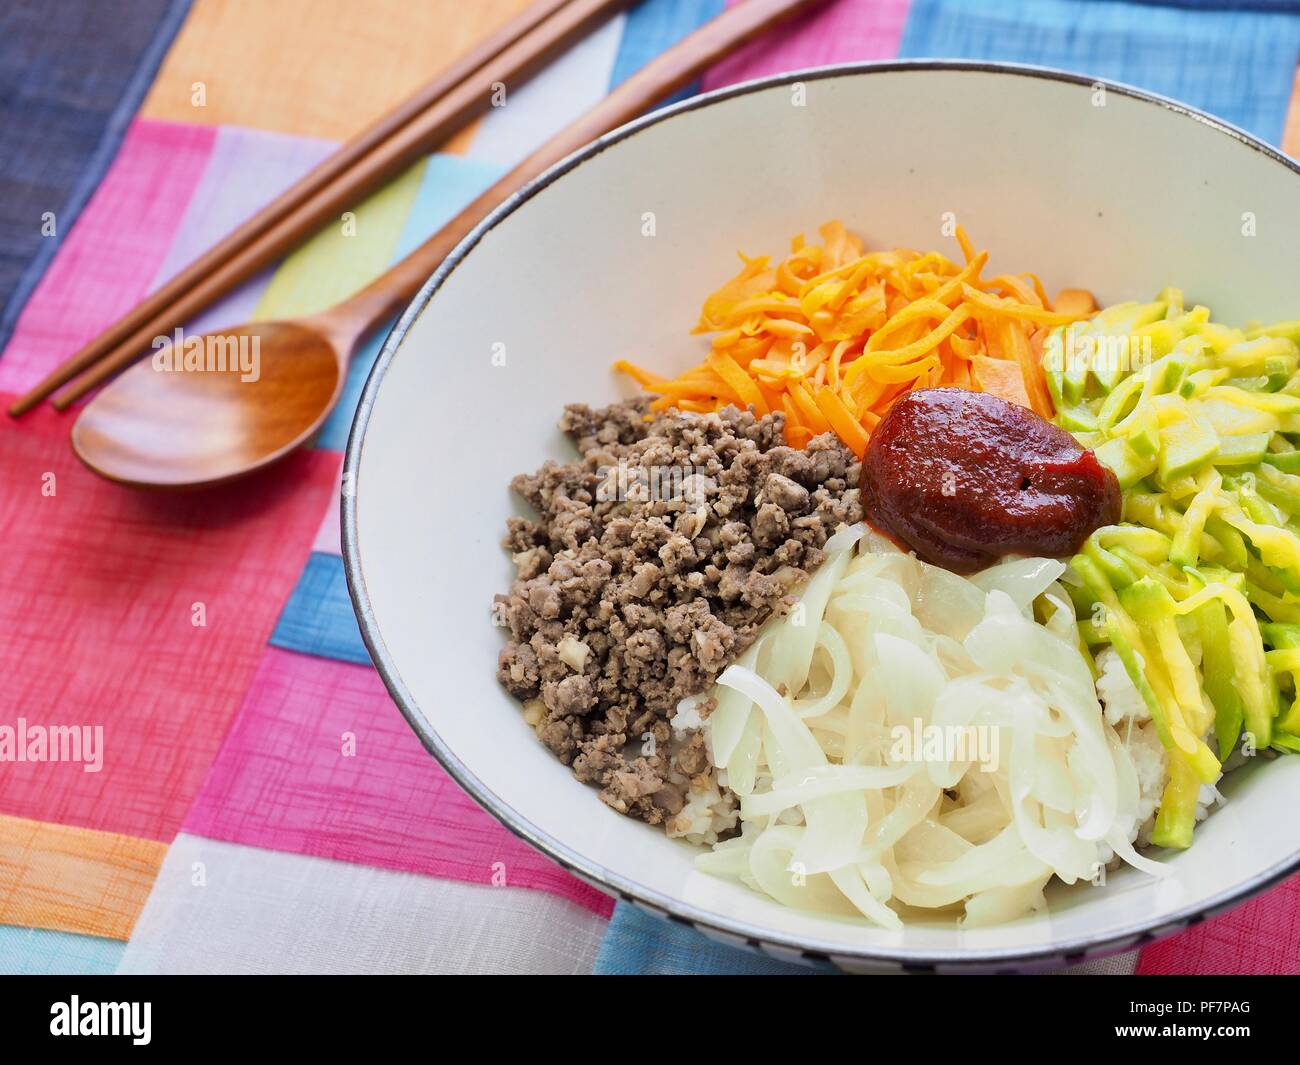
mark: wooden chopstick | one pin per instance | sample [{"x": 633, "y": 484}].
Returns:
[
  {"x": 663, "y": 75},
  {"x": 446, "y": 104}
]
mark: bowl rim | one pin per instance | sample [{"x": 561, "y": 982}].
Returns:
[{"x": 717, "y": 925}]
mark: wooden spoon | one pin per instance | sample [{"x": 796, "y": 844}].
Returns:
[
  {"x": 160, "y": 425},
  {"x": 157, "y": 428}
]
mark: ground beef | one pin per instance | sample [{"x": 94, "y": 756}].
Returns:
[{"x": 655, "y": 558}]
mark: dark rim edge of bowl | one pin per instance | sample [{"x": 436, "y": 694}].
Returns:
[{"x": 591, "y": 872}]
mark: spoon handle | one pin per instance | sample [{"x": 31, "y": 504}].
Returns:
[{"x": 680, "y": 65}]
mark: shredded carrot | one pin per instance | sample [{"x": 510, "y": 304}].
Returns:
[
  {"x": 1012, "y": 309},
  {"x": 809, "y": 413},
  {"x": 1000, "y": 377},
  {"x": 1042, "y": 293},
  {"x": 917, "y": 348},
  {"x": 965, "y": 348},
  {"x": 647, "y": 380},
  {"x": 846, "y": 427},
  {"x": 832, "y": 335},
  {"x": 837, "y": 357},
  {"x": 793, "y": 419},
  {"x": 1017, "y": 288},
  {"x": 1032, "y": 380},
  {"x": 1075, "y": 301},
  {"x": 910, "y": 371},
  {"x": 730, "y": 371},
  {"x": 963, "y": 241}
]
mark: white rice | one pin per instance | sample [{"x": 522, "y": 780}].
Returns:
[
  {"x": 710, "y": 813},
  {"x": 1116, "y": 691}
]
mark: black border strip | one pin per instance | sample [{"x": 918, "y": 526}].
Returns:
[{"x": 576, "y": 863}]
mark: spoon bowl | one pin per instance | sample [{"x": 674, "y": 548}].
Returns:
[{"x": 207, "y": 409}]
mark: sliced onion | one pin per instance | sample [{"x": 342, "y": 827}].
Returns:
[{"x": 840, "y": 817}]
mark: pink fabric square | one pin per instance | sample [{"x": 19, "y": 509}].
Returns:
[
  {"x": 842, "y": 32},
  {"x": 108, "y": 260},
  {"x": 98, "y": 604},
  {"x": 1259, "y": 938},
  {"x": 330, "y": 534},
  {"x": 321, "y": 762}
]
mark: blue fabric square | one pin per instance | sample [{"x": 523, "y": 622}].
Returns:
[
  {"x": 40, "y": 952},
  {"x": 71, "y": 80},
  {"x": 318, "y": 618},
  {"x": 654, "y": 26},
  {"x": 638, "y": 944},
  {"x": 1238, "y": 65}
]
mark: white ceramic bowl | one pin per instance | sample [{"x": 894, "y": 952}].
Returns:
[{"x": 1117, "y": 191}]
